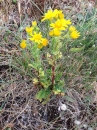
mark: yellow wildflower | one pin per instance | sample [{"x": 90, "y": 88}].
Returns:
[
  {"x": 44, "y": 41},
  {"x": 36, "y": 37},
  {"x": 72, "y": 28},
  {"x": 23, "y": 44},
  {"x": 48, "y": 16},
  {"x": 68, "y": 22},
  {"x": 61, "y": 24},
  {"x": 58, "y": 14},
  {"x": 34, "y": 23},
  {"x": 58, "y": 24},
  {"x": 29, "y": 29},
  {"x": 56, "y": 32},
  {"x": 61, "y": 15},
  {"x": 75, "y": 34}
]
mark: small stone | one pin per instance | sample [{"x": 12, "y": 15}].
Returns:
[
  {"x": 77, "y": 122},
  {"x": 90, "y": 128},
  {"x": 59, "y": 109},
  {"x": 85, "y": 125},
  {"x": 94, "y": 46},
  {"x": 63, "y": 107}
]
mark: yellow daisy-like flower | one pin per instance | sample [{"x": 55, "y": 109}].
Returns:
[
  {"x": 58, "y": 14},
  {"x": 29, "y": 29},
  {"x": 34, "y": 23},
  {"x": 61, "y": 15},
  {"x": 55, "y": 32},
  {"x": 36, "y": 37},
  {"x": 23, "y": 44},
  {"x": 60, "y": 24},
  {"x": 75, "y": 34},
  {"x": 48, "y": 16},
  {"x": 66, "y": 22},
  {"x": 72, "y": 28},
  {"x": 44, "y": 42}
]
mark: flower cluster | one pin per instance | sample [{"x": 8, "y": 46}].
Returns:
[
  {"x": 36, "y": 36},
  {"x": 57, "y": 25},
  {"x": 56, "y": 28}
]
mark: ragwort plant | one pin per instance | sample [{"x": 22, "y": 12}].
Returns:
[{"x": 45, "y": 64}]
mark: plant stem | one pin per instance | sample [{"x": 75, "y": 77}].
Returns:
[{"x": 53, "y": 75}]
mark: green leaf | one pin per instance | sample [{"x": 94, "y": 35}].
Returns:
[
  {"x": 43, "y": 94},
  {"x": 14, "y": 1},
  {"x": 77, "y": 49}
]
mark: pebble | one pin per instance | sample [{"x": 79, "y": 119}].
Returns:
[{"x": 77, "y": 122}]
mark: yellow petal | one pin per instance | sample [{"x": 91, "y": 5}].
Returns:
[
  {"x": 51, "y": 33},
  {"x": 57, "y": 32}
]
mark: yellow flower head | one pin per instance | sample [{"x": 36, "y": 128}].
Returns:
[
  {"x": 48, "y": 16},
  {"x": 36, "y": 37},
  {"x": 61, "y": 15},
  {"x": 29, "y": 29},
  {"x": 66, "y": 22},
  {"x": 55, "y": 32},
  {"x": 75, "y": 34},
  {"x": 23, "y": 44},
  {"x": 34, "y": 23},
  {"x": 44, "y": 42},
  {"x": 58, "y": 14},
  {"x": 60, "y": 24},
  {"x": 72, "y": 28}
]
